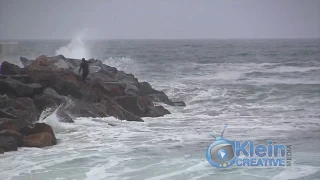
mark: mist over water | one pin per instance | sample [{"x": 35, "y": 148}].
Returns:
[
  {"x": 77, "y": 48},
  {"x": 263, "y": 89}
]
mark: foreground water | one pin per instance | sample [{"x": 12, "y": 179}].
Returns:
[{"x": 266, "y": 89}]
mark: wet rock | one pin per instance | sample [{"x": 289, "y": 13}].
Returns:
[
  {"x": 10, "y": 133},
  {"x": 63, "y": 82},
  {"x": 131, "y": 90},
  {"x": 179, "y": 103},
  {"x": 156, "y": 111},
  {"x": 8, "y": 143},
  {"x": 43, "y": 128},
  {"x": 4, "y": 114},
  {"x": 161, "y": 97},
  {"x": 109, "y": 89},
  {"x": 109, "y": 92},
  {"x": 10, "y": 69},
  {"x": 41, "y": 62},
  {"x": 18, "y": 125},
  {"x": 38, "y": 140},
  {"x": 8, "y": 124},
  {"x": 116, "y": 110},
  {"x": 16, "y": 88},
  {"x": 63, "y": 115},
  {"x": 140, "y": 106},
  {"x": 25, "y": 61},
  {"x": 49, "y": 92}
]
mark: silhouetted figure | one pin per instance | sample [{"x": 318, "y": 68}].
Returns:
[{"x": 85, "y": 67}]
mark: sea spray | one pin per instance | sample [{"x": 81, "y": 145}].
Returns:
[
  {"x": 77, "y": 48},
  {"x": 51, "y": 116}
]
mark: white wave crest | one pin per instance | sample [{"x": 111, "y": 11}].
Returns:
[{"x": 76, "y": 49}]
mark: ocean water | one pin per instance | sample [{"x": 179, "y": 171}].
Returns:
[{"x": 263, "y": 89}]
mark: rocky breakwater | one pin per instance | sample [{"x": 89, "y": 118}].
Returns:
[{"x": 53, "y": 83}]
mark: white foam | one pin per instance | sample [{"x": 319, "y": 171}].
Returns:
[
  {"x": 282, "y": 69},
  {"x": 51, "y": 118},
  {"x": 295, "y": 172},
  {"x": 124, "y": 63},
  {"x": 77, "y": 48}
]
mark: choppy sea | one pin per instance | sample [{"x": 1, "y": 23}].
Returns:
[{"x": 262, "y": 89}]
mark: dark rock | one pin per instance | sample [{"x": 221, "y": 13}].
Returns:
[
  {"x": 25, "y": 61},
  {"x": 41, "y": 128},
  {"x": 80, "y": 109},
  {"x": 179, "y": 103},
  {"x": 107, "y": 107},
  {"x": 42, "y": 102},
  {"x": 109, "y": 92},
  {"x": 115, "y": 110},
  {"x": 156, "y": 111},
  {"x": 4, "y": 114},
  {"x": 63, "y": 82},
  {"x": 8, "y": 124},
  {"x": 10, "y": 69},
  {"x": 109, "y": 89},
  {"x": 145, "y": 88},
  {"x": 49, "y": 92},
  {"x": 131, "y": 90},
  {"x": 157, "y": 96},
  {"x": 140, "y": 106},
  {"x": 48, "y": 99},
  {"x": 8, "y": 143},
  {"x": 161, "y": 97},
  {"x": 32, "y": 113},
  {"x": 38, "y": 140},
  {"x": 14, "y": 87},
  {"x": 21, "y": 78},
  {"x": 14, "y": 134},
  {"x": 17, "y": 125},
  {"x": 21, "y": 108},
  {"x": 63, "y": 115}
]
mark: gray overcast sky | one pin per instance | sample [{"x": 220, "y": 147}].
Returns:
[{"x": 159, "y": 19}]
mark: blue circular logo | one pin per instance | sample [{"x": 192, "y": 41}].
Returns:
[{"x": 220, "y": 153}]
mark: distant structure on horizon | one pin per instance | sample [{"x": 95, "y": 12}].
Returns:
[{"x": 10, "y": 51}]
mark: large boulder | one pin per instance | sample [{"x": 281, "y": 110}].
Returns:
[
  {"x": 132, "y": 90},
  {"x": 38, "y": 140},
  {"x": 17, "y": 125},
  {"x": 25, "y": 61},
  {"x": 8, "y": 143},
  {"x": 20, "y": 108},
  {"x": 10, "y": 133},
  {"x": 141, "y": 106},
  {"x": 48, "y": 99},
  {"x": 63, "y": 82},
  {"x": 109, "y": 89},
  {"x": 16, "y": 88},
  {"x": 40, "y": 128},
  {"x": 4, "y": 114},
  {"x": 116, "y": 110},
  {"x": 105, "y": 108},
  {"x": 81, "y": 109},
  {"x": 10, "y": 69},
  {"x": 10, "y": 140},
  {"x": 8, "y": 124}
]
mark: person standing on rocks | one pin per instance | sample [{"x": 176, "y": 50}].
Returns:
[{"x": 85, "y": 67}]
